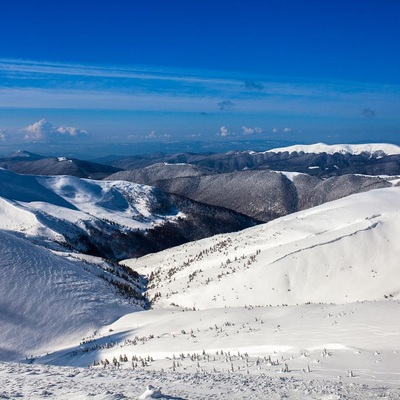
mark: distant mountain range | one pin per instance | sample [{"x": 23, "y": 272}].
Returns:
[
  {"x": 260, "y": 185},
  {"x": 317, "y": 160}
]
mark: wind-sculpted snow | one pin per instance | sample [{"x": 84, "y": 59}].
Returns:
[
  {"x": 47, "y": 300},
  {"x": 28, "y": 189},
  {"x": 340, "y": 252}
]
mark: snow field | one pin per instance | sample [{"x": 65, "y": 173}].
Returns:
[
  {"x": 43, "y": 381},
  {"x": 321, "y": 341}
]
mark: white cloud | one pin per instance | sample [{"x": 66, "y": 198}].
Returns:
[
  {"x": 287, "y": 130},
  {"x": 223, "y": 131},
  {"x": 247, "y": 130},
  {"x": 39, "y": 130},
  {"x": 275, "y": 130},
  {"x": 71, "y": 131},
  {"x": 44, "y": 130},
  {"x": 3, "y": 135},
  {"x": 154, "y": 135},
  {"x": 250, "y": 131}
]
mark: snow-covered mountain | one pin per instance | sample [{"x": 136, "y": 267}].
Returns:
[
  {"x": 260, "y": 194},
  {"x": 373, "y": 149},
  {"x": 304, "y": 307},
  {"x": 78, "y": 212},
  {"x": 25, "y": 162},
  {"x": 112, "y": 219},
  {"x": 340, "y": 252}
]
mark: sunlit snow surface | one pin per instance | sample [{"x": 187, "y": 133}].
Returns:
[
  {"x": 48, "y": 301},
  {"x": 48, "y": 382},
  {"x": 232, "y": 317},
  {"x": 339, "y": 252},
  {"x": 45, "y": 205}
]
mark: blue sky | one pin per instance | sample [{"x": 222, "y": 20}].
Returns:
[{"x": 128, "y": 71}]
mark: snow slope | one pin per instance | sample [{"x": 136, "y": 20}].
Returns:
[
  {"x": 75, "y": 200},
  {"x": 47, "y": 301},
  {"x": 376, "y": 149},
  {"x": 328, "y": 339},
  {"x": 340, "y": 252},
  {"x": 102, "y": 218}
]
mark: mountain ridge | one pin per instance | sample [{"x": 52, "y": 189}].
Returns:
[
  {"x": 373, "y": 149},
  {"x": 342, "y": 251}
]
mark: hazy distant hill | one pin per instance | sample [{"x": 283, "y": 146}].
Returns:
[{"x": 24, "y": 162}]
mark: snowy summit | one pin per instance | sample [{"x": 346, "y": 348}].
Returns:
[{"x": 354, "y": 149}]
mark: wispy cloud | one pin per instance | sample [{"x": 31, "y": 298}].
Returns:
[
  {"x": 253, "y": 85},
  {"x": 183, "y": 95},
  {"x": 69, "y": 81},
  {"x": 3, "y": 135},
  {"x": 29, "y": 68}
]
